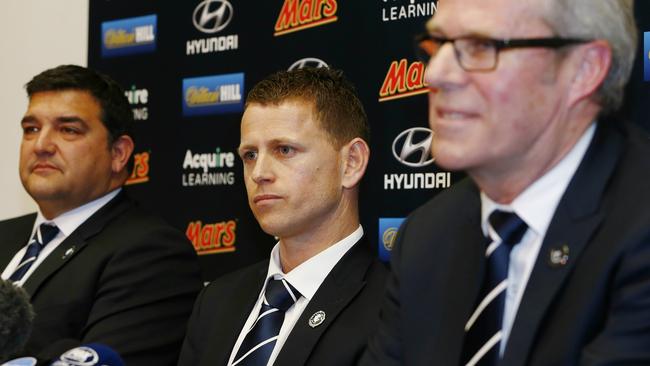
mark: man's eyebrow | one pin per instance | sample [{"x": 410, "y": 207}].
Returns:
[{"x": 68, "y": 119}]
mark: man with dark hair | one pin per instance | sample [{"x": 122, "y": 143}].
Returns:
[
  {"x": 542, "y": 256},
  {"x": 303, "y": 146},
  {"x": 97, "y": 268}
]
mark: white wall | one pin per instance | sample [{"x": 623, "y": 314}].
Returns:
[{"x": 34, "y": 35}]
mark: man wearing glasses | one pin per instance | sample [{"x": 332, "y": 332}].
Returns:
[{"x": 541, "y": 256}]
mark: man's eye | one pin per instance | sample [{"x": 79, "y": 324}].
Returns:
[
  {"x": 249, "y": 155},
  {"x": 69, "y": 130},
  {"x": 478, "y": 46},
  {"x": 286, "y": 150},
  {"x": 30, "y": 129}
]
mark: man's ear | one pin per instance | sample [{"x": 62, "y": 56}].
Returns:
[
  {"x": 121, "y": 151},
  {"x": 592, "y": 62},
  {"x": 355, "y": 161}
]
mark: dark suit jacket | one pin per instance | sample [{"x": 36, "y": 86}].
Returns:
[
  {"x": 595, "y": 310},
  {"x": 350, "y": 296},
  {"x": 129, "y": 283}
]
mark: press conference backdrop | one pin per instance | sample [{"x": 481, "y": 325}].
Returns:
[{"x": 187, "y": 66}]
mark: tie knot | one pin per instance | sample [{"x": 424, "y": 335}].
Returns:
[
  {"x": 508, "y": 225},
  {"x": 280, "y": 294},
  {"x": 46, "y": 232}
]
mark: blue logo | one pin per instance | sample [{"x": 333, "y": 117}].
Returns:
[
  {"x": 217, "y": 94},
  {"x": 387, "y": 233},
  {"x": 646, "y": 56},
  {"x": 129, "y": 36}
]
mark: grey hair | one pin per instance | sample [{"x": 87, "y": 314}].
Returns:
[{"x": 609, "y": 20}]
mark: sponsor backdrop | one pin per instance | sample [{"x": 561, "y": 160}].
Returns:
[{"x": 187, "y": 67}]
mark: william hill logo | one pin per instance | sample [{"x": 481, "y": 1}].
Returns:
[
  {"x": 213, "y": 94},
  {"x": 129, "y": 36},
  {"x": 297, "y": 15},
  {"x": 140, "y": 172},
  {"x": 214, "y": 238},
  {"x": 403, "y": 80}
]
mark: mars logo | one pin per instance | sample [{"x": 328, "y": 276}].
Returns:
[
  {"x": 387, "y": 234},
  {"x": 646, "y": 53},
  {"x": 129, "y": 36},
  {"x": 140, "y": 173},
  {"x": 308, "y": 62},
  {"x": 138, "y": 98},
  {"x": 403, "y": 80},
  {"x": 206, "y": 162},
  {"x": 214, "y": 238},
  {"x": 297, "y": 15},
  {"x": 212, "y": 16},
  {"x": 412, "y": 147},
  {"x": 398, "y": 10}
]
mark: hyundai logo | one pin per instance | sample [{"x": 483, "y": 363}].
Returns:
[
  {"x": 212, "y": 20},
  {"x": 412, "y": 147},
  {"x": 308, "y": 62}
]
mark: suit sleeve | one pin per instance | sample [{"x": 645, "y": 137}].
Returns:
[
  {"x": 385, "y": 346},
  {"x": 143, "y": 299},
  {"x": 193, "y": 337},
  {"x": 625, "y": 338}
]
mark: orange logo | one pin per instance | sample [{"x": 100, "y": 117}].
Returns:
[
  {"x": 297, "y": 15},
  {"x": 403, "y": 80},
  {"x": 140, "y": 172},
  {"x": 212, "y": 238}
]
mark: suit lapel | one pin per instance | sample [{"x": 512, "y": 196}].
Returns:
[
  {"x": 576, "y": 218},
  {"x": 339, "y": 288},
  {"x": 463, "y": 279},
  {"x": 15, "y": 237},
  {"x": 75, "y": 242},
  {"x": 231, "y": 320}
]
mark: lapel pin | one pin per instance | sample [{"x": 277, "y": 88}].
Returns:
[
  {"x": 559, "y": 256},
  {"x": 68, "y": 252},
  {"x": 317, "y": 319}
]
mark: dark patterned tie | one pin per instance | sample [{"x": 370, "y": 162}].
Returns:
[
  {"x": 260, "y": 340},
  {"x": 483, "y": 329},
  {"x": 43, "y": 235}
]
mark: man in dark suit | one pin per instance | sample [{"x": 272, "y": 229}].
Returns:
[
  {"x": 542, "y": 256},
  {"x": 97, "y": 268},
  {"x": 303, "y": 146}
]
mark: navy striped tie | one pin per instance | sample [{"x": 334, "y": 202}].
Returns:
[
  {"x": 43, "y": 235},
  {"x": 260, "y": 340},
  {"x": 483, "y": 329}
]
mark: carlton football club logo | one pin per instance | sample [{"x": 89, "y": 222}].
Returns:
[
  {"x": 297, "y": 15},
  {"x": 219, "y": 237},
  {"x": 403, "y": 80},
  {"x": 140, "y": 173}
]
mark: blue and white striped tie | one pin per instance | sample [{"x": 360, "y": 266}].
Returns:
[
  {"x": 483, "y": 329},
  {"x": 43, "y": 235},
  {"x": 260, "y": 340}
]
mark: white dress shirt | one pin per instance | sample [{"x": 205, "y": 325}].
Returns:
[
  {"x": 67, "y": 223},
  {"x": 306, "y": 278},
  {"x": 535, "y": 206}
]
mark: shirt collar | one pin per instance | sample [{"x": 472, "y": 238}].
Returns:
[
  {"x": 69, "y": 221},
  {"x": 308, "y": 276},
  {"x": 537, "y": 203}
]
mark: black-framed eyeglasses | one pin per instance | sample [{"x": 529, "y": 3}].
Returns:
[{"x": 482, "y": 54}]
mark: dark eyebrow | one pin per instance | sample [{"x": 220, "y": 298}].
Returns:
[{"x": 70, "y": 119}]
